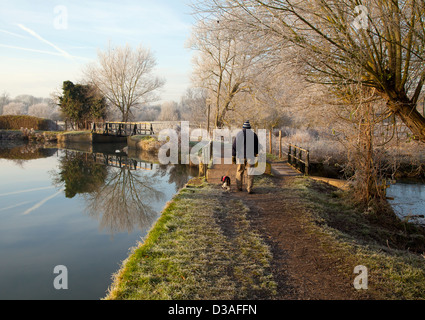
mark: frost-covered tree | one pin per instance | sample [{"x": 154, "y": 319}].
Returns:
[
  {"x": 41, "y": 110},
  {"x": 14, "y": 108},
  {"x": 169, "y": 111},
  {"x": 124, "y": 76}
]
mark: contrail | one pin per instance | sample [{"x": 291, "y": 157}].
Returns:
[
  {"x": 24, "y": 191},
  {"x": 41, "y": 51},
  {"x": 39, "y": 204},
  {"x": 36, "y": 35},
  {"x": 14, "y": 206},
  {"x": 32, "y": 50},
  {"x": 13, "y": 34}
]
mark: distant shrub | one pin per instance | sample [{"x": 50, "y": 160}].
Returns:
[{"x": 10, "y": 122}]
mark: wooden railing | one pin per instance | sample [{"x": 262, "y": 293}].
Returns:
[
  {"x": 122, "y": 129},
  {"x": 299, "y": 158}
]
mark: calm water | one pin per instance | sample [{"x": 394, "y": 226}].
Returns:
[
  {"x": 409, "y": 199},
  {"x": 59, "y": 207}
]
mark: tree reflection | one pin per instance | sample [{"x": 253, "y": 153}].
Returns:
[
  {"x": 79, "y": 174},
  {"x": 120, "y": 198},
  {"x": 178, "y": 174},
  {"x": 125, "y": 200}
]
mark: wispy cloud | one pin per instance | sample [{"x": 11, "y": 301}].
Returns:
[
  {"x": 39, "y": 204},
  {"x": 37, "y": 36}
]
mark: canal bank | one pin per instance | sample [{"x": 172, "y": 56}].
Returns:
[{"x": 294, "y": 238}]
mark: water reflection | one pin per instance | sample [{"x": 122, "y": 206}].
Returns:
[
  {"x": 125, "y": 201},
  {"x": 120, "y": 192},
  {"x": 79, "y": 174},
  {"x": 409, "y": 201},
  {"x": 69, "y": 222},
  {"x": 20, "y": 152}
]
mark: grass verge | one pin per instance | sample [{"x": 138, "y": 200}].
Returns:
[
  {"x": 202, "y": 247},
  {"x": 391, "y": 249}
]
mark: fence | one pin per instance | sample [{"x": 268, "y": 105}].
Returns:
[
  {"x": 298, "y": 157},
  {"x": 120, "y": 128}
]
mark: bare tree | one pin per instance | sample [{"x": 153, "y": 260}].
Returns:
[
  {"x": 124, "y": 76},
  {"x": 147, "y": 113},
  {"x": 169, "y": 112},
  {"x": 226, "y": 63},
  {"x": 4, "y": 100},
  {"x": 43, "y": 110},
  {"x": 15, "y": 108},
  {"x": 193, "y": 106},
  {"x": 386, "y": 48}
]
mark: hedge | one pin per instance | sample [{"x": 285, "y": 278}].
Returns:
[{"x": 10, "y": 122}]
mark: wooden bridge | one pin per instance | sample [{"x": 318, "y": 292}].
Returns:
[
  {"x": 122, "y": 129},
  {"x": 298, "y": 163}
]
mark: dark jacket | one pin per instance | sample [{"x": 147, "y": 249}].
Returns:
[{"x": 241, "y": 142}]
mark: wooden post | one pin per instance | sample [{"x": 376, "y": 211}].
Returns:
[
  {"x": 202, "y": 167},
  {"x": 300, "y": 156},
  {"x": 208, "y": 118},
  {"x": 294, "y": 153},
  {"x": 270, "y": 142},
  {"x": 307, "y": 163},
  {"x": 289, "y": 155},
  {"x": 280, "y": 144}
]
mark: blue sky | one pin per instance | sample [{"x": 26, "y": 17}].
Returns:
[{"x": 43, "y": 43}]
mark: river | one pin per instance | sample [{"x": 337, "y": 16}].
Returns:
[
  {"x": 409, "y": 200},
  {"x": 80, "y": 210}
]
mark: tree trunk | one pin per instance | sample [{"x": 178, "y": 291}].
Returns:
[{"x": 410, "y": 116}]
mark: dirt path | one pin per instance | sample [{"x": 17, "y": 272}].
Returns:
[{"x": 301, "y": 267}]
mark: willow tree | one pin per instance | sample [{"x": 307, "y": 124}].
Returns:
[
  {"x": 125, "y": 77},
  {"x": 383, "y": 40}
]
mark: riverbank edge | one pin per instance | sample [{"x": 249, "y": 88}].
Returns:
[
  {"x": 393, "y": 274},
  {"x": 59, "y": 136},
  {"x": 358, "y": 238}
]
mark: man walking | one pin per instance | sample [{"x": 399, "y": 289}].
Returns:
[{"x": 244, "y": 151}]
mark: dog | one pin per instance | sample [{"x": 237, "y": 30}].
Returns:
[{"x": 226, "y": 182}]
